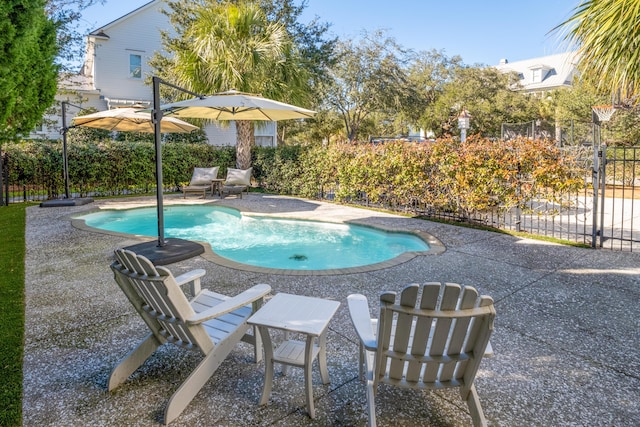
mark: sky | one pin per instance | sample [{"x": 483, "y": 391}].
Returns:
[{"x": 480, "y": 31}]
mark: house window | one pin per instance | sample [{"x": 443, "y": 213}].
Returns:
[
  {"x": 537, "y": 75},
  {"x": 264, "y": 141},
  {"x": 135, "y": 66}
]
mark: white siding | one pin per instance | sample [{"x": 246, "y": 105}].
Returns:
[
  {"x": 107, "y": 69},
  {"x": 265, "y": 134},
  {"x": 138, "y": 33},
  {"x": 221, "y": 135},
  {"x": 87, "y": 99}
]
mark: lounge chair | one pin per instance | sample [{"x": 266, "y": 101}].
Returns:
[
  {"x": 200, "y": 181},
  {"x": 210, "y": 323},
  {"x": 237, "y": 181},
  {"x": 432, "y": 342}
]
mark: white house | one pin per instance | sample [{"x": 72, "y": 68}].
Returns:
[
  {"x": 543, "y": 74},
  {"x": 115, "y": 67}
]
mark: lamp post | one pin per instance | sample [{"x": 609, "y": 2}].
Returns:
[{"x": 463, "y": 124}]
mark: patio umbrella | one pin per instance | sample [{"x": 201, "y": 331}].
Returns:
[
  {"x": 230, "y": 105},
  {"x": 131, "y": 120},
  {"x": 234, "y": 105},
  {"x": 119, "y": 119},
  {"x": 138, "y": 120}
]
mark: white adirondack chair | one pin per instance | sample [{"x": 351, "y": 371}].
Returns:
[
  {"x": 211, "y": 323},
  {"x": 428, "y": 342}
]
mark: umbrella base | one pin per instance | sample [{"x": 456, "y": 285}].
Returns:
[
  {"x": 55, "y": 203},
  {"x": 174, "y": 250}
]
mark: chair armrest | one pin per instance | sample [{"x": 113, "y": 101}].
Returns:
[
  {"x": 191, "y": 276},
  {"x": 361, "y": 319},
  {"x": 247, "y": 297}
]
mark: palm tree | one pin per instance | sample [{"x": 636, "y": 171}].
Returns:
[
  {"x": 607, "y": 35},
  {"x": 233, "y": 45}
]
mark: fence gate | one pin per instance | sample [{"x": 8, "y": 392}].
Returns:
[{"x": 616, "y": 198}]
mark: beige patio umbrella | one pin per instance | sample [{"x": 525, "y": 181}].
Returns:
[
  {"x": 131, "y": 120},
  {"x": 234, "y": 105},
  {"x": 230, "y": 105},
  {"x": 139, "y": 120},
  {"x": 120, "y": 119}
]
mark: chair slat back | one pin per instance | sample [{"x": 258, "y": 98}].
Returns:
[
  {"x": 155, "y": 294},
  {"x": 433, "y": 335}
]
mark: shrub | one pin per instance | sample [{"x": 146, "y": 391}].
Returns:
[
  {"x": 446, "y": 175},
  {"x": 110, "y": 167}
]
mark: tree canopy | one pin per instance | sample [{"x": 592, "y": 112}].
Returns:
[
  {"x": 607, "y": 37},
  {"x": 251, "y": 47},
  {"x": 369, "y": 78},
  {"x": 487, "y": 94},
  {"x": 28, "y": 73}
]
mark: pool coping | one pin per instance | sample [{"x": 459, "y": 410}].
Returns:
[{"x": 436, "y": 247}]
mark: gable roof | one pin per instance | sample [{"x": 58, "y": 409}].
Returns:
[
  {"x": 101, "y": 31},
  {"x": 555, "y": 71}
]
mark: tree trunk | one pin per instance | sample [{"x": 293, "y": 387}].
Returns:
[{"x": 244, "y": 142}]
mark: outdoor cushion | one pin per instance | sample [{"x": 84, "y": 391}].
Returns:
[
  {"x": 238, "y": 176},
  {"x": 203, "y": 176}
]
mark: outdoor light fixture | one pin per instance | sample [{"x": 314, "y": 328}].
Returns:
[{"x": 463, "y": 124}]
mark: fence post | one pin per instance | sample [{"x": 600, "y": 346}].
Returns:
[
  {"x": 603, "y": 164},
  {"x": 4, "y": 166},
  {"x": 594, "y": 184},
  {"x": 1, "y": 177},
  {"x": 519, "y": 202},
  {"x": 533, "y": 129}
]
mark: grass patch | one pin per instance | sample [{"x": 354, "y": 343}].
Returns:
[{"x": 12, "y": 254}]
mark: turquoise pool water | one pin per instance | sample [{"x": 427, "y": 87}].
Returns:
[{"x": 265, "y": 241}]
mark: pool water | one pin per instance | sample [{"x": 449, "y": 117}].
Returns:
[{"x": 265, "y": 241}]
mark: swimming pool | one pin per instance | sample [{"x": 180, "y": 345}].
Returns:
[{"x": 263, "y": 241}]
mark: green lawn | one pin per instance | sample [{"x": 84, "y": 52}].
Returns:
[{"x": 12, "y": 253}]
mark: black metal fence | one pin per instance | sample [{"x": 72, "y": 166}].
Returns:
[{"x": 605, "y": 213}]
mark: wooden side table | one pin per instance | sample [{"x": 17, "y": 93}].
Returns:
[
  {"x": 296, "y": 314},
  {"x": 216, "y": 185}
]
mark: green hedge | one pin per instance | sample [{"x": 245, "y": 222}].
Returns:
[
  {"x": 109, "y": 167},
  {"x": 445, "y": 175}
]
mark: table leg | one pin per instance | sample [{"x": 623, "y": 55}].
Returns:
[
  {"x": 285, "y": 367},
  {"x": 322, "y": 358},
  {"x": 268, "y": 364},
  {"x": 308, "y": 362}
]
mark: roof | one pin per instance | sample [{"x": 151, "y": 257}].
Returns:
[
  {"x": 100, "y": 32},
  {"x": 557, "y": 71},
  {"x": 76, "y": 82}
]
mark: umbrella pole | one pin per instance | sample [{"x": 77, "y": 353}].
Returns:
[
  {"x": 157, "y": 117},
  {"x": 65, "y": 162}
]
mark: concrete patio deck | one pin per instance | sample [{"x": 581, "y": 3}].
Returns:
[{"x": 566, "y": 335}]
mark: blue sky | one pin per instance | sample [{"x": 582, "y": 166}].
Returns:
[{"x": 481, "y": 32}]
